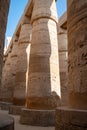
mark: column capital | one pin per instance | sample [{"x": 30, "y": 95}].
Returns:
[
  {"x": 44, "y": 10},
  {"x": 25, "y": 33}
]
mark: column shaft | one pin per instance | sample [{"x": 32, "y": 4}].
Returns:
[
  {"x": 9, "y": 72},
  {"x": 74, "y": 117},
  {"x": 63, "y": 64},
  {"x": 4, "y": 8},
  {"x": 77, "y": 36},
  {"x": 43, "y": 90},
  {"x": 20, "y": 79}
]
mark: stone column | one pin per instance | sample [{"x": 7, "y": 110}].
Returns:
[
  {"x": 20, "y": 79},
  {"x": 5, "y": 88},
  {"x": 6, "y": 122},
  {"x": 63, "y": 64},
  {"x": 8, "y": 73},
  {"x": 4, "y": 7},
  {"x": 77, "y": 36},
  {"x": 74, "y": 117},
  {"x": 44, "y": 86},
  {"x": 43, "y": 92}
]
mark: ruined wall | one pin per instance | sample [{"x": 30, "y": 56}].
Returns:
[{"x": 4, "y": 6}]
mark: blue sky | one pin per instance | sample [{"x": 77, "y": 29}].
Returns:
[{"x": 16, "y": 10}]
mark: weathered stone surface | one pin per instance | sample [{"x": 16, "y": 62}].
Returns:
[
  {"x": 4, "y": 7},
  {"x": 63, "y": 21},
  {"x": 6, "y": 88},
  {"x": 39, "y": 10},
  {"x": 43, "y": 91},
  {"x": 38, "y": 68},
  {"x": 75, "y": 117},
  {"x": 38, "y": 117},
  {"x": 5, "y": 105},
  {"x": 9, "y": 72},
  {"x": 43, "y": 84},
  {"x": 77, "y": 38},
  {"x": 63, "y": 64},
  {"x": 71, "y": 119},
  {"x": 6, "y": 122},
  {"x": 15, "y": 110},
  {"x": 44, "y": 102},
  {"x": 20, "y": 78}
]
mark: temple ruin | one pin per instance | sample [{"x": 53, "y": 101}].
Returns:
[{"x": 44, "y": 74}]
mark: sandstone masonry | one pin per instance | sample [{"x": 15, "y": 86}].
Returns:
[{"x": 6, "y": 122}]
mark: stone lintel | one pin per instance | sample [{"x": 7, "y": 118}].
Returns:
[
  {"x": 71, "y": 119},
  {"x": 25, "y": 20},
  {"x": 29, "y": 9},
  {"x": 35, "y": 117},
  {"x": 63, "y": 21},
  {"x": 16, "y": 34},
  {"x": 62, "y": 31},
  {"x": 18, "y": 30}
]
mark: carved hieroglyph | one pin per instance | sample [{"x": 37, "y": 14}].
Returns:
[{"x": 77, "y": 36}]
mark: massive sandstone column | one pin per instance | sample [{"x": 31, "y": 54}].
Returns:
[
  {"x": 6, "y": 122},
  {"x": 63, "y": 64},
  {"x": 5, "y": 93},
  {"x": 8, "y": 73},
  {"x": 4, "y": 7},
  {"x": 20, "y": 79},
  {"x": 43, "y": 91},
  {"x": 77, "y": 37},
  {"x": 74, "y": 117}
]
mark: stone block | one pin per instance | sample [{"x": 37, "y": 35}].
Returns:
[
  {"x": 5, "y": 105},
  {"x": 71, "y": 119},
  {"x": 37, "y": 117},
  {"x": 6, "y": 122},
  {"x": 15, "y": 110}
]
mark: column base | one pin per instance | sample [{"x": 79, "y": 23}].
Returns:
[
  {"x": 5, "y": 105},
  {"x": 71, "y": 119},
  {"x": 6, "y": 122},
  {"x": 15, "y": 110},
  {"x": 35, "y": 117}
]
